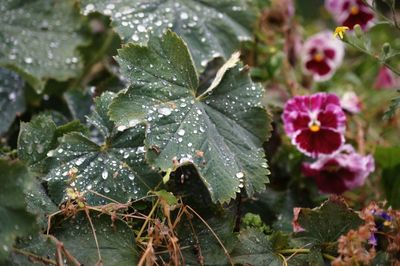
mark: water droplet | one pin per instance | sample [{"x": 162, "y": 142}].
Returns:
[
  {"x": 240, "y": 175},
  {"x": 165, "y": 111},
  {"x": 131, "y": 176},
  {"x": 121, "y": 128},
  {"x": 181, "y": 132},
  {"x": 184, "y": 15},
  {"x": 28, "y": 60},
  {"x": 104, "y": 174},
  {"x": 106, "y": 189}
]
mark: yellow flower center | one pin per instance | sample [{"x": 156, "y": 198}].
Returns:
[
  {"x": 354, "y": 10},
  {"x": 318, "y": 57},
  {"x": 314, "y": 126}
]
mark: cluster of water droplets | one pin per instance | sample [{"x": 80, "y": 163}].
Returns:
[
  {"x": 111, "y": 172},
  {"x": 41, "y": 39},
  {"x": 138, "y": 20},
  {"x": 12, "y": 100}
]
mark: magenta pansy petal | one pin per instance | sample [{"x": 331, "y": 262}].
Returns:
[
  {"x": 340, "y": 171},
  {"x": 385, "y": 79},
  {"x": 325, "y": 141},
  {"x": 321, "y": 55},
  {"x": 350, "y": 102},
  {"x": 350, "y": 12},
  {"x": 315, "y": 123}
]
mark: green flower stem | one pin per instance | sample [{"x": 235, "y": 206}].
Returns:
[
  {"x": 148, "y": 219},
  {"x": 294, "y": 250},
  {"x": 368, "y": 53}
]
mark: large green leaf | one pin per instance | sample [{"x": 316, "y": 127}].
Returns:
[
  {"x": 37, "y": 137},
  {"x": 205, "y": 244},
  {"x": 39, "y": 38},
  {"x": 14, "y": 219},
  {"x": 116, "y": 240},
  {"x": 79, "y": 103},
  {"x": 116, "y": 243},
  {"x": 115, "y": 168},
  {"x": 12, "y": 100},
  {"x": 255, "y": 249},
  {"x": 324, "y": 225},
  {"x": 389, "y": 160},
  {"x": 221, "y": 131},
  {"x": 210, "y": 28}
]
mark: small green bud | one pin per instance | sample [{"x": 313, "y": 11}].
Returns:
[
  {"x": 386, "y": 48},
  {"x": 358, "y": 31}
]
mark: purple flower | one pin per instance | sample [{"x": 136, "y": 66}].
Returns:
[
  {"x": 350, "y": 102},
  {"x": 321, "y": 55},
  {"x": 341, "y": 171},
  {"x": 315, "y": 123},
  {"x": 372, "y": 240},
  {"x": 350, "y": 12},
  {"x": 385, "y": 79}
]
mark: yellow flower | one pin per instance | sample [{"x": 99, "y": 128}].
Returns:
[{"x": 339, "y": 31}]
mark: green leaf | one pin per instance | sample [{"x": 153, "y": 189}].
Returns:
[
  {"x": 195, "y": 235},
  {"x": 220, "y": 132},
  {"x": 325, "y": 224},
  {"x": 115, "y": 168},
  {"x": 39, "y": 203},
  {"x": 116, "y": 242},
  {"x": 391, "y": 111},
  {"x": 14, "y": 219},
  {"x": 167, "y": 196},
  {"x": 254, "y": 248},
  {"x": 12, "y": 100},
  {"x": 218, "y": 33},
  {"x": 389, "y": 160},
  {"x": 35, "y": 139},
  {"x": 39, "y": 39},
  {"x": 79, "y": 103}
]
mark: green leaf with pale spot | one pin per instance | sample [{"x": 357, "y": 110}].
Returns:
[
  {"x": 14, "y": 219},
  {"x": 12, "y": 99},
  {"x": 254, "y": 248},
  {"x": 324, "y": 225},
  {"x": 221, "y": 132},
  {"x": 39, "y": 39},
  {"x": 210, "y": 28},
  {"x": 115, "y": 168}
]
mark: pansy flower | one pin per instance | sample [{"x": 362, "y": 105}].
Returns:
[
  {"x": 350, "y": 102},
  {"x": 315, "y": 123},
  {"x": 385, "y": 79},
  {"x": 341, "y": 171},
  {"x": 348, "y": 13},
  {"x": 321, "y": 55}
]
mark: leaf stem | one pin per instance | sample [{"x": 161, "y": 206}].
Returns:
[
  {"x": 294, "y": 250},
  {"x": 34, "y": 256},
  {"x": 148, "y": 219}
]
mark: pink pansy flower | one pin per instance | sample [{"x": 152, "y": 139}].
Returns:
[
  {"x": 341, "y": 171},
  {"x": 385, "y": 79},
  {"x": 321, "y": 55},
  {"x": 350, "y": 12},
  {"x": 315, "y": 123},
  {"x": 350, "y": 102}
]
